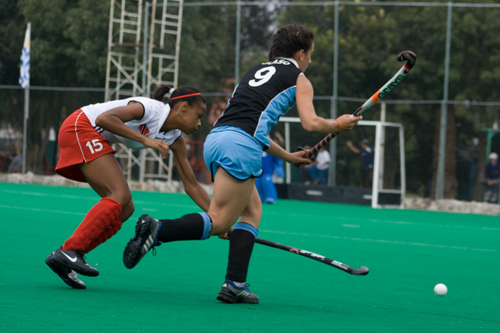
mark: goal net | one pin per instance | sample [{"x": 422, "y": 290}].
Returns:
[{"x": 386, "y": 182}]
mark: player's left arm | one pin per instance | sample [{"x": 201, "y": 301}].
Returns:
[
  {"x": 114, "y": 121},
  {"x": 191, "y": 185}
]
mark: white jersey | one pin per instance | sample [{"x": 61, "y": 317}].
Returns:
[{"x": 155, "y": 114}]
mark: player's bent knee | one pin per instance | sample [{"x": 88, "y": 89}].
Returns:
[
  {"x": 220, "y": 228},
  {"x": 127, "y": 211},
  {"x": 124, "y": 198}
]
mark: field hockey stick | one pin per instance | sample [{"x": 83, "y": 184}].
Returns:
[
  {"x": 410, "y": 59},
  {"x": 311, "y": 255}
]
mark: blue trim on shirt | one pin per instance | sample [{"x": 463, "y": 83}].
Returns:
[{"x": 278, "y": 107}]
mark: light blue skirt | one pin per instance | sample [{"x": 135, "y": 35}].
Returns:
[{"x": 235, "y": 151}]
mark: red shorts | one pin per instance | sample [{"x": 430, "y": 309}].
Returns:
[{"x": 79, "y": 143}]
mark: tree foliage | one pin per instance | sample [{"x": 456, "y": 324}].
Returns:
[
  {"x": 69, "y": 48},
  {"x": 369, "y": 39}
]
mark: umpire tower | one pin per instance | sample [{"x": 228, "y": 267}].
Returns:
[{"x": 143, "y": 52}]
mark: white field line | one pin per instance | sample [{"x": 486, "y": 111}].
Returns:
[
  {"x": 380, "y": 241},
  {"x": 41, "y": 194},
  {"x": 96, "y": 198},
  {"x": 40, "y": 210},
  {"x": 284, "y": 232},
  {"x": 351, "y": 220}
]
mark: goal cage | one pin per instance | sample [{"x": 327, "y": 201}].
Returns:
[{"x": 388, "y": 184}]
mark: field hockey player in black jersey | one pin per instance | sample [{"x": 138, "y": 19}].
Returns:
[{"x": 232, "y": 152}]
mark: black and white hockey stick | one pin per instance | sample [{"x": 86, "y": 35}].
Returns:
[
  {"x": 410, "y": 58},
  {"x": 348, "y": 269}
]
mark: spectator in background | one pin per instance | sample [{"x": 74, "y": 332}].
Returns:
[
  {"x": 491, "y": 179},
  {"x": 265, "y": 185},
  {"x": 319, "y": 168},
  {"x": 279, "y": 139},
  {"x": 216, "y": 111},
  {"x": 367, "y": 153}
]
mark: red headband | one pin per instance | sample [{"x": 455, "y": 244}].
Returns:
[{"x": 183, "y": 96}]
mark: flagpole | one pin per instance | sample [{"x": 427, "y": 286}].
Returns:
[
  {"x": 25, "y": 124},
  {"x": 24, "y": 81}
]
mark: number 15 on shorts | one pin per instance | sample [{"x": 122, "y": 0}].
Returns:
[{"x": 94, "y": 146}]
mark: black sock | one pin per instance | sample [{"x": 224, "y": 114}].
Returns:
[
  {"x": 189, "y": 227},
  {"x": 240, "y": 251}
]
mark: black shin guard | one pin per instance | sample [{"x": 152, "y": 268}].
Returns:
[
  {"x": 188, "y": 227},
  {"x": 240, "y": 251}
]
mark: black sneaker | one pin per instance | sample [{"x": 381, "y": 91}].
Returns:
[
  {"x": 70, "y": 261},
  {"x": 146, "y": 231},
  {"x": 230, "y": 293},
  {"x": 67, "y": 275}
]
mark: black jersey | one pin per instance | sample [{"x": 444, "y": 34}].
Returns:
[{"x": 264, "y": 94}]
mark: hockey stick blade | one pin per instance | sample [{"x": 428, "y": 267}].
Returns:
[
  {"x": 410, "y": 58},
  {"x": 407, "y": 56},
  {"x": 363, "y": 270}
]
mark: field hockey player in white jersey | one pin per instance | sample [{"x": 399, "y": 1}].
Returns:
[
  {"x": 86, "y": 155},
  {"x": 233, "y": 152}
]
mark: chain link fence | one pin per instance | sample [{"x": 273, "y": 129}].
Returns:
[{"x": 469, "y": 124}]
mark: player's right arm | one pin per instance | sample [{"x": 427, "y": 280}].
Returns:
[
  {"x": 297, "y": 157},
  {"x": 114, "y": 121},
  {"x": 304, "y": 94}
]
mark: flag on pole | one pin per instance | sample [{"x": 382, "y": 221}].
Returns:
[{"x": 24, "y": 77}]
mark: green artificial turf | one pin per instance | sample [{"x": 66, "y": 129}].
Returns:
[{"x": 407, "y": 251}]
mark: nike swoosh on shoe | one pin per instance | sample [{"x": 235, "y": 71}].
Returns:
[{"x": 70, "y": 258}]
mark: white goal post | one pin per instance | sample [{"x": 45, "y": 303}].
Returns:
[{"x": 378, "y": 189}]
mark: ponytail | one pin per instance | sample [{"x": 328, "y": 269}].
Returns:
[{"x": 160, "y": 92}]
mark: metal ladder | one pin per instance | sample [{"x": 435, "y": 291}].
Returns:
[{"x": 140, "y": 57}]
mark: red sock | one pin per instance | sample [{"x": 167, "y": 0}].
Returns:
[
  {"x": 108, "y": 232},
  {"x": 100, "y": 224}
]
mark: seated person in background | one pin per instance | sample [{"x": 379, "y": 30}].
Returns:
[
  {"x": 265, "y": 186},
  {"x": 319, "y": 168},
  {"x": 367, "y": 153},
  {"x": 491, "y": 179},
  {"x": 16, "y": 165}
]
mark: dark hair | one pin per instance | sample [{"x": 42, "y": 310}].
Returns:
[
  {"x": 289, "y": 39},
  {"x": 163, "y": 89}
]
